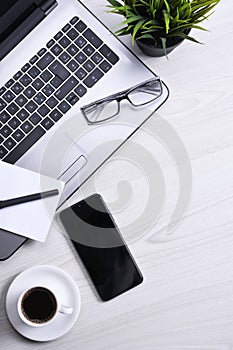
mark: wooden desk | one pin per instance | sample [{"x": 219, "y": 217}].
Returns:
[{"x": 186, "y": 301}]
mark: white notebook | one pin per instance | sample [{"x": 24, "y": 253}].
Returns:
[{"x": 32, "y": 219}]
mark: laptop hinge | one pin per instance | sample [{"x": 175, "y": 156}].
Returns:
[{"x": 47, "y": 6}]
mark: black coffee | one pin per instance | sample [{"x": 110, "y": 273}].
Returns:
[{"x": 39, "y": 305}]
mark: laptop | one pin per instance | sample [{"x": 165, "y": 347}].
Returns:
[{"x": 55, "y": 57}]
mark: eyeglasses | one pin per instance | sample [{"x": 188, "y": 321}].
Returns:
[{"x": 109, "y": 107}]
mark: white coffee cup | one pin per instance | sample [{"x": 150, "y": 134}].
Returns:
[{"x": 38, "y": 306}]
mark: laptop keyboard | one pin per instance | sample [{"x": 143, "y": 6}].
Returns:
[{"x": 48, "y": 85}]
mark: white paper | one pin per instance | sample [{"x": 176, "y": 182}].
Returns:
[{"x": 32, "y": 219}]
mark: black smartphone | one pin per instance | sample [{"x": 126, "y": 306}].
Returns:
[{"x": 101, "y": 247}]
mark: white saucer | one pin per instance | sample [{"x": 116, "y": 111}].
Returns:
[{"x": 66, "y": 291}]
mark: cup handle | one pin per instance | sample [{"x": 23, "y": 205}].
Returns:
[{"x": 65, "y": 310}]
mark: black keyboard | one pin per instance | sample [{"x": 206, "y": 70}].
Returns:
[{"x": 47, "y": 86}]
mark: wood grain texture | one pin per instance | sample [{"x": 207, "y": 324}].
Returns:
[{"x": 186, "y": 300}]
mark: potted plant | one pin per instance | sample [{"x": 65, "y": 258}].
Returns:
[{"x": 158, "y": 26}]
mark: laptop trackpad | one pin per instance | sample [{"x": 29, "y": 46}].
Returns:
[{"x": 73, "y": 169}]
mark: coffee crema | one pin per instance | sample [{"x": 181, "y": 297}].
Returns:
[{"x": 39, "y": 305}]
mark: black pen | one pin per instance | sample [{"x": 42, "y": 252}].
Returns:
[{"x": 29, "y": 198}]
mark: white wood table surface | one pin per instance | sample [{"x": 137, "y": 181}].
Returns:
[{"x": 186, "y": 300}]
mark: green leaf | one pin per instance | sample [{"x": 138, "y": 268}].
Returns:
[
  {"x": 164, "y": 46},
  {"x": 167, "y": 6},
  {"x": 132, "y": 19},
  {"x": 151, "y": 25},
  {"x": 137, "y": 28},
  {"x": 146, "y": 36},
  {"x": 184, "y": 36},
  {"x": 166, "y": 20}
]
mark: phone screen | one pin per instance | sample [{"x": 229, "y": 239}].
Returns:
[{"x": 101, "y": 248}]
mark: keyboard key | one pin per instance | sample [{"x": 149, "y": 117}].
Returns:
[
  {"x": 56, "y": 82},
  {"x": 35, "y": 119},
  {"x": 81, "y": 57},
  {"x": 57, "y": 69},
  {"x": 18, "y": 75},
  {"x": 65, "y": 57},
  {"x": 38, "y": 84},
  {"x": 93, "y": 38},
  {"x": 50, "y": 44},
  {"x": 2, "y": 90},
  {"x": 80, "y": 42},
  {"x": 43, "y": 110},
  {"x": 26, "y": 127},
  {"x": 109, "y": 54},
  {"x": 46, "y": 76},
  {"x": 4, "y": 117},
  {"x": 70, "y": 96},
  {"x": 34, "y": 72},
  {"x": 9, "y": 143},
  {"x": 48, "y": 90},
  {"x": 22, "y": 114},
  {"x": 66, "y": 88},
  {"x": 29, "y": 92},
  {"x": 89, "y": 66},
  {"x": 74, "y": 20},
  {"x": 34, "y": 59},
  {"x": 97, "y": 58},
  {"x": 64, "y": 107},
  {"x": 5, "y": 131},
  {"x": 25, "y": 145},
  {"x": 14, "y": 123},
  {"x": 12, "y": 108},
  {"x": 39, "y": 98},
  {"x": 25, "y": 67},
  {"x": 55, "y": 115},
  {"x": 75, "y": 100},
  {"x": 45, "y": 60},
  {"x": 3, "y": 152},
  {"x": 25, "y": 80},
  {"x": 80, "y": 90},
  {"x": 58, "y": 36},
  {"x": 2, "y": 104},
  {"x": 47, "y": 123},
  {"x": 64, "y": 42},
  {"x": 8, "y": 96},
  {"x": 66, "y": 27},
  {"x": 93, "y": 78},
  {"x": 89, "y": 50},
  {"x": 73, "y": 50},
  {"x": 80, "y": 26},
  {"x": 9, "y": 83},
  {"x": 105, "y": 66},
  {"x": 21, "y": 100},
  {"x": 17, "y": 88},
  {"x": 18, "y": 135},
  {"x": 31, "y": 106},
  {"x": 52, "y": 102},
  {"x": 41, "y": 52},
  {"x": 56, "y": 49},
  {"x": 72, "y": 34},
  {"x": 72, "y": 65}
]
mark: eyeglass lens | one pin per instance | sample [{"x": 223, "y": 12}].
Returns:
[
  {"x": 145, "y": 94},
  {"x": 102, "y": 111}
]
